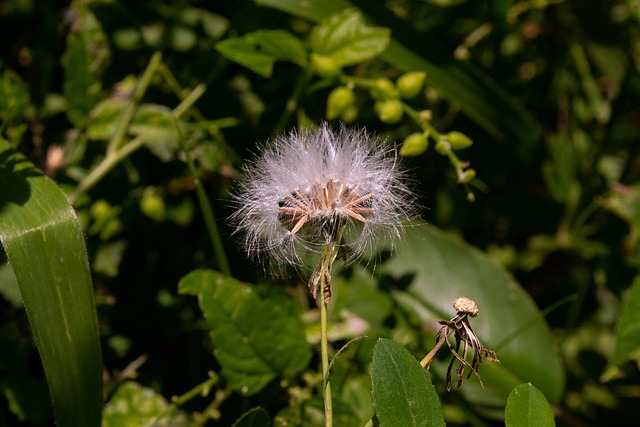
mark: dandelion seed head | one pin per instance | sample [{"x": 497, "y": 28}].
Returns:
[{"x": 304, "y": 183}]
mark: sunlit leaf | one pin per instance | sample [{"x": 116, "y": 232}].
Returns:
[
  {"x": 527, "y": 407},
  {"x": 104, "y": 118},
  {"x": 46, "y": 249},
  {"x": 436, "y": 268},
  {"x": 260, "y": 50},
  {"x": 345, "y": 39},
  {"x": 255, "y": 341},
  {"x": 402, "y": 391}
]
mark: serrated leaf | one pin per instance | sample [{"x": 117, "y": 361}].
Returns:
[
  {"x": 403, "y": 394},
  {"x": 527, "y": 407},
  {"x": 260, "y": 50},
  {"x": 86, "y": 56},
  {"x": 46, "y": 249},
  {"x": 255, "y": 341},
  {"x": 347, "y": 40},
  {"x": 628, "y": 328},
  {"x": 440, "y": 268},
  {"x": 256, "y": 417},
  {"x": 133, "y": 406}
]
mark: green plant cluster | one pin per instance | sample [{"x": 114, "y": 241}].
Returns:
[{"x": 126, "y": 299}]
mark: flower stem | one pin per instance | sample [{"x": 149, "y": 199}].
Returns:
[{"x": 324, "y": 348}]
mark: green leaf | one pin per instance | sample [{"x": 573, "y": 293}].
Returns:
[
  {"x": 345, "y": 39},
  {"x": 156, "y": 125},
  {"x": 402, "y": 391},
  {"x": 14, "y": 96},
  {"x": 628, "y": 329},
  {"x": 256, "y": 417},
  {"x": 84, "y": 60},
  {"x": 527, "y": 407},
  {"x": 104, "y": 118},
  {"x": 133, "y": 406},
  {"x": 259, "y": 50},
  {"x": 46, "y": 249},
  {"x": 437, "y": 269},
  {"x": 255, "y": 341},
  {"x": 479, "y": 96}
]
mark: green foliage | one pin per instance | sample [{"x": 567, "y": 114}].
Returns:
[
  {"x": 402, "y": 392},
  {"x": 527, "y": 406},
  {"x": 144, "y": 117}
]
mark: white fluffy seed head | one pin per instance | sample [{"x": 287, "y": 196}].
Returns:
[{"x": 302, "y": 183}]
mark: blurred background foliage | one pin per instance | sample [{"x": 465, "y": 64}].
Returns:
[{"x": 548, "y": 90}]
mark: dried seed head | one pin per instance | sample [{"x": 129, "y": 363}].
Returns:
[
  {"x": 306, "y": 185},
  {"x": 465, "y": 306}
]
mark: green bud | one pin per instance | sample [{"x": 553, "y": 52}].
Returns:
[
  {"x": 443, "y": 147},
  {"x": 389, "y": 111},
  {"x": 153, "y": 206},
  {"x": 384, "y": 89},
  {"x": 467, "y": 176},
  {"x": 338, "y": 101},
  {"x": 458, "y": 140},
  {"x": 350, "y": 114},
  {"x": 325, "y": 66},
  {"x": 410, "y": 84},
  {"x": 414, "y": 144}
]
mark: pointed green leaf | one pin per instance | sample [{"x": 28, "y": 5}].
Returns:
[
  {"x": 84, "y": 60},
  {"x": 402, "y": 391},
  {"x": 256, "y": 417},
  {"x": 260, "y": 50},
  {"x": 439, "y": 269},
  {"x": 345, "y": 39},
  {"x": 157, "y": 126},
  {"x": 628, "y": 329},
  {"x": 527, "y": 407},
  {"x": 46, "y": 249},
  {"x": 255, "y": 341}
]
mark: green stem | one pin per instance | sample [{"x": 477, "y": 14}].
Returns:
[
  {"x": 207, "y": 211},
  {"x": 324, "y": 348},
  {"x": 292, "y": 102}
]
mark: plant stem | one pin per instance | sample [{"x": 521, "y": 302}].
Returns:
[{"x": 324, "y": 348}]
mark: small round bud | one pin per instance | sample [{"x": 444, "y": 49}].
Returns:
[
  {"x": 153, "y": 207},
  {"x": 325, "y": 66},
  {"x": 338, "y": 101},
  {"x": 467, "y": 176},
  {"x": 443, "y": 147},
  {"x": 414, "y": 144},
  {"x": 465, "y": 306},
  {"x": 350, "y": 114},
  {"x": 384, "y": 89},
  {"x": 458, "y": 140},
  {"x": 410, "y": 84},
  {"x": 425, "y": 115},
  {"x": 390, "y": 111}
]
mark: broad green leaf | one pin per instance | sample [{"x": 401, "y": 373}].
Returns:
[
  {"x": 260, "y": 50},
  {"x": 133, "y": 406},
  {"x": 527, "y": 407},
  {"x": 402, "y": 391},
  {"x": 46, "y": 249},
  {"x": 255, "y": 341},
  {"x": 84, "y": 59},
  {"x": 480, "y": 97},
  {"x": 628, "y": 329},
  {"x": 104, "y": 118},
  {"x": 438, "y": 269},
  {"x": 256, "y": 417},
  {"x": 344, "y": 38}
]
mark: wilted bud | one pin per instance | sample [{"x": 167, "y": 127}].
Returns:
[
  {"x": 389, "y": 111},
  {"x": 414, "y": 144},
  {"x": 338, "y": 101},
  {"x": 384, "y": 89},
  {"x": 458, "y": 140},
  {"x": 325, "y": 66},
  {"x": 410, "y": 84}
]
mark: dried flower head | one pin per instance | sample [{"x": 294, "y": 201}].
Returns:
[{"x": 311, "y": 187}]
